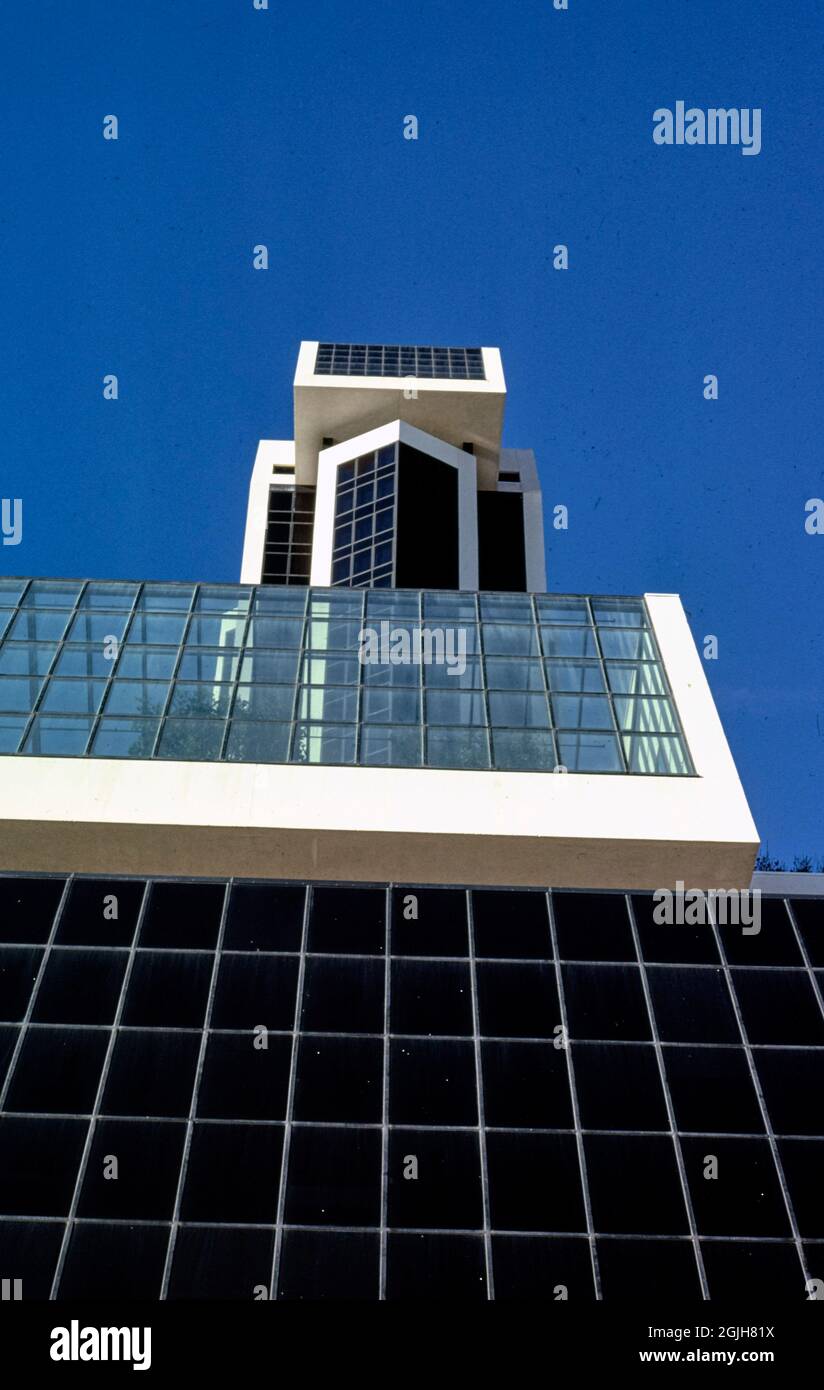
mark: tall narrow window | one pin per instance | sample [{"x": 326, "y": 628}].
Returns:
[
  {"x": 363, "y": 546},
  {"x": 287, "y": 554}
]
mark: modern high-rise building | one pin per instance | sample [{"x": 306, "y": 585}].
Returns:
[
  {"x": 382, "y": 925},
  {"x": 418, "y": 432}
]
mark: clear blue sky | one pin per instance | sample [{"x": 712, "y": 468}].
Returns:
[{"x": 284, "y": 127}]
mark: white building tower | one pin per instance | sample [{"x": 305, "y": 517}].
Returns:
[{"x": 396, "y": 477}]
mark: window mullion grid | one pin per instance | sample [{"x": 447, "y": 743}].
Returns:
[
  {"x": 290, "y": 1099},
  {"x": 479, "y": 1088},
  {"x": 373, "y": 524},
  {"x": 190, "y": 1121},
  {"x": 291, "y": 541},
  {"x": 395, "y": 489},
  {"x": 621, "y": 751},
  {"x": 759, "y": 1094},
  {"x": 422, "y": 691},
  {"x": 161, "y": 723},
  {"x": 573, "y": 1095},
  {"x": 27, "y": 583},
  {"x": 101, "y": 1087},
  {"x": 808, "y": 965},
  {"x": 543, "y": 659},
  {"x": 241, "y": 648},
  {"x": 359, "y": 693},
  {"x": 25, "y": 1021},
  {"x": 662, "y": 671},
  {"x": 47, "y": 675},
  {"x": 111, "y": 676},
  {"x": 299, "y": 680},
  {"x": 673, "y": 1124},
  {"x": 479, "y": 628},
  {"x": 18, "y": 609},
  {"x": 305, "y": 647},
  {"x": 479, "y": 624},
  {"x": 387, "y": 985},
  {"x": 359, "y": 721}
]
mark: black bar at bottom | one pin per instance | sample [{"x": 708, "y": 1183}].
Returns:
[{"x": 210, "y": 1338}]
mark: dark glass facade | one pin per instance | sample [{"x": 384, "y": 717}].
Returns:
[{"x": 244, "y": 1090}]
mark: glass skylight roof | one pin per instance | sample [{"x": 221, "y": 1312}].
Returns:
[{"x": 379, "y": 677}]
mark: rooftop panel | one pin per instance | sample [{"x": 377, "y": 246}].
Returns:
[{"x": 354, "y": 359}]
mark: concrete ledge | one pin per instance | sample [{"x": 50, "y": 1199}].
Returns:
[{"x": 488, "y": 860}]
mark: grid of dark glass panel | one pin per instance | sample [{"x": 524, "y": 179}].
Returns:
[
  {"x": 287, "y": 550},
  {"x": 274, "y": 674},
  {"x": 404, "y": 1091},
  {"x": 363, "y": 546},
  {"x": 358, "y": 359}
]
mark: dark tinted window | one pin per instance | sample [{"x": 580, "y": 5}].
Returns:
[
  {"x": 517, "y": 1001},
  {"x": 648, "y": 1269},
  {"x": 251, "y": 1154},
  {"x": 429, "y": 922},
  {"x": 133, "y": 1170},
  {"x": 605, "y": 1002},
  {"x": 428, "y": 1265},
  {"x": 27, "y": 907},
  {"x": 634, "y": 1185},
  {"x": 348, "y": 919},
  {"x": 109, "y": 1260},
  {"x": 734, "y": 1187},
  {"x": 619, "y": 1086},
  {"x": 446, "y": 1190},
  {"x": 692, "y": 1005},
  {"x": 430, "y": 997},
  {"x": 264, "y": 917},
  {"x": 511, "y": 924},
  {"x": 221, "y": 1262},
  {"x": 670, "y": 942},
  {"x": 322, "y": 1264},
  {"x": 183, "y": 915},
  {"x": 779, "y": 1006},
  {"x": 100, "y": 912},
  {"x": 712, "y": 1090},
  {"x": 58, "y": 1070},
  {"x": 339, "y": 1079},
  {"x": 80, "y": 987},
  {"x": 334, "y": 1177},
  {"x": 592, "y": 926},
  {"x": 151, "y": 1073}
]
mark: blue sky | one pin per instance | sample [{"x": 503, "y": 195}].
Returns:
[{"x": 285, "y": 127}]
